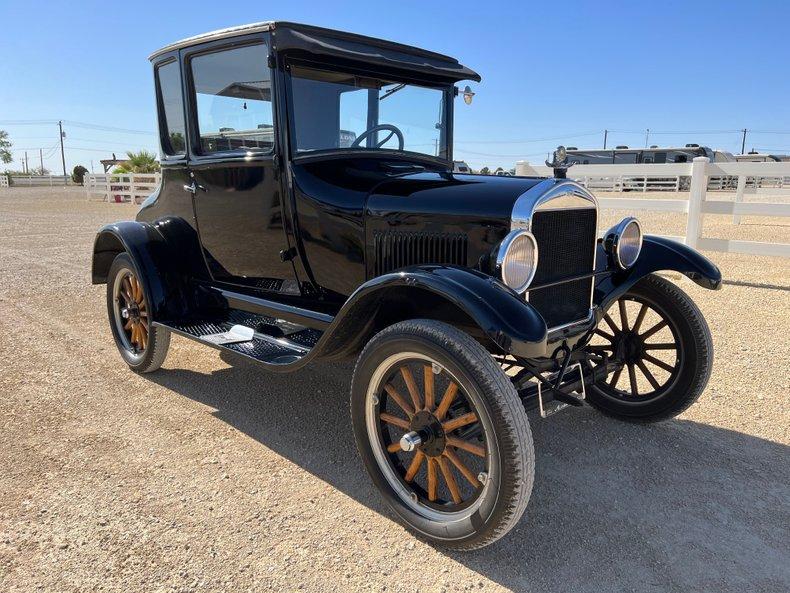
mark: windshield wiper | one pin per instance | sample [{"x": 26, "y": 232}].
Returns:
[{"x": 392, "y": 91}]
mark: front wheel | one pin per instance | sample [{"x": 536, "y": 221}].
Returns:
[
  {"x": 442, "y": 433},
  {"x": 663, "y": 352}
]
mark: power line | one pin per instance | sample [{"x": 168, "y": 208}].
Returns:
[
  {"x": 27, "y": 122},
  {"x": 77, "y": 124},
  {"x": 106, "y": 128},
  {"x": 580, "y": 135}
]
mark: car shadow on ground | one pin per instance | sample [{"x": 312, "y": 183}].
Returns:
[{"x": 675, "y": 506}]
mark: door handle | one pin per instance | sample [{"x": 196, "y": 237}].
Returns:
[{"x": 194, "y": 187}]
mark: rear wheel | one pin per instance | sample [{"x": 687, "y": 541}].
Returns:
[
  {"x": 142, "y": 345},
  {"x": 663, "y": 348},
  {"x": 442, "y": 433}
]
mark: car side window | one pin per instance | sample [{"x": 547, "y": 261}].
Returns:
[
  {"x": 171, "y": 105},
  {"x": 233, "y": 99}
]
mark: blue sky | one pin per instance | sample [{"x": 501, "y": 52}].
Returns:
[{"x": 553, "y": 72}]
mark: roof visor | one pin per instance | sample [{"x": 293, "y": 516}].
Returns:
[{"x": 337, "y": 45}]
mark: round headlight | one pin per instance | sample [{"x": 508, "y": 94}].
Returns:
[
  {"x": 517, "y": 259},
  {"x": 624, "y": 242}
]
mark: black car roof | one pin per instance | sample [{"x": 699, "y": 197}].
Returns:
[{"x": 329, "y": 43}]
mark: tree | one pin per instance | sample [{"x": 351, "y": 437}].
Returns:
[
  {"x": 78, "y": 174},
  {"x": 139, "y": 162},
  {"x": 5, "y": 146}
]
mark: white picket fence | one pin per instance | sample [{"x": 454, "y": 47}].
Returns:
[
  {"x": 751, "y": 178},
  {"x": 40, "y": 180},
  {"x": 123, "y": 187}
]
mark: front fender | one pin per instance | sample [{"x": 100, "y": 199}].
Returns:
[
  {"x": 422, "y": 291},
  {"x": 164, "y": 280},
  {"x": 658, "y": 254}
]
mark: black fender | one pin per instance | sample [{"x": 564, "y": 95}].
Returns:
[
  {"x": 457, "y": 295},
  {"x": 657, "y": 254},
  {"x": 161, "y": 252}
]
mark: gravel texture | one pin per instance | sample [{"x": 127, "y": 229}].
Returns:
[{"x": 212, "y": 475}]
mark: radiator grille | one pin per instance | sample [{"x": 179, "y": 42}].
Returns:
[
  {"x": 395, "y": 250},
  {"x": 566, "y": 248}
]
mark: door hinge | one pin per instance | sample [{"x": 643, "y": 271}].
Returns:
[{"x": 288, "y": 254}]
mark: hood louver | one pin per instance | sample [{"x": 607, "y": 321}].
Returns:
[{"x": 395, "y": 250}]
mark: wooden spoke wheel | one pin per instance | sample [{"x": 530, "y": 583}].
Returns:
[
  {"x": 442, "y": 433},
  {"x": 131, "y": 311},
  {"x": 142, "y": 344},
  {"x": 643, "y": 339},
  {"x": 662, "y": 349},
  {"x": 432, "y": 435}
]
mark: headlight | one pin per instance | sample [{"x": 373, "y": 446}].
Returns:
[
  {"x": 517, "y": 259},
  {"x": 624, "y": 242}
]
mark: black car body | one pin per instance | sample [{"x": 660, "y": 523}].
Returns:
[{"x": 274, "y": 214}]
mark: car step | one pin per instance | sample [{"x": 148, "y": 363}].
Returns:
[{"x": 260, "y": 338}]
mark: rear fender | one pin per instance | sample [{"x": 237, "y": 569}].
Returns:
[
  {"x": 460, "y": 296},
  {"x": 658, "y": 254},
  {"x": 158, "y": 253}
]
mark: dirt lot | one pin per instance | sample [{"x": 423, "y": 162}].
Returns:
[{"x": 211, "y": 477}]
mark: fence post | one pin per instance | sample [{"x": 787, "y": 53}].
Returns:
[
  {"x": 736, "y": 218},
  {"x": 699, "y": 185}
]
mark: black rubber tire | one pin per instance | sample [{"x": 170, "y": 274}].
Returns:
[
  {"x": 158, "y": 337},
  {"x": 510, "y": 438},
  {"x": 698, "y": 358}
]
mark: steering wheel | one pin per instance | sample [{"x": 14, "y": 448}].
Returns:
[{"x": 393, "y": 131}]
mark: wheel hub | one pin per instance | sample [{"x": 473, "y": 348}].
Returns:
[
  {"x": 629, "y": 347},
  {"x": 432, "y": 437}
]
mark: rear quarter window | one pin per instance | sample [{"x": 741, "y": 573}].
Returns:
[{"x": 172, "y": 125}]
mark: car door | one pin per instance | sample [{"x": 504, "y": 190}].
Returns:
[{"x": 236, "y": 185}]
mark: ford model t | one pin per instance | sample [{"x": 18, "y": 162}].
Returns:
[{"x": 308, "y": 210}]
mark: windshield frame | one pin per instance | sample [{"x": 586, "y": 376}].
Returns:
[{"x": 445, "y": 156}]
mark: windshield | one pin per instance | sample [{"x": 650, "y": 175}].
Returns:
[{"x": 335, "y": 110}]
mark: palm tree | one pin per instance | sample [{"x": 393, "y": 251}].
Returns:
[{"x": 139, "y": 162}]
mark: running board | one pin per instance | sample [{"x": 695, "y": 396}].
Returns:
[{"x": 271, "y": 341}]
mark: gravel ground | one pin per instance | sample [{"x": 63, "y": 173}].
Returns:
[{"x": 212, "y": 475}]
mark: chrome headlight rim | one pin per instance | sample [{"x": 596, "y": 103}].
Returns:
[
  {"x": 502, "y": 253},
  {"x": 613, "y": 244}
]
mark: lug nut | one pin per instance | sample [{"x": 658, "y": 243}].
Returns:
[{"x": 410, "y": 441}]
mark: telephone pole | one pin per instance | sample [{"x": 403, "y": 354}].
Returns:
[
  {"x": 62, "y": 154},
  {"x": 605, "y": 134},
  {"x": 743, "y": 142}
]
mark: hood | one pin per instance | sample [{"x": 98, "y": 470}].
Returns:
[{"x": 475, "y": 208}]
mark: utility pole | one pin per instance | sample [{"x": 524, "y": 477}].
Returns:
[
  {"x": 605, "y": 134},
  {"x": 41, "y": 159},
  {"x": 62, "y": 154},
  {"x": 743, "y": 142},
  {"x": 647, "y": 136}
]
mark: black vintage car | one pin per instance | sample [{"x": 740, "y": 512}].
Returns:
[{"x": 308, "y": 210}]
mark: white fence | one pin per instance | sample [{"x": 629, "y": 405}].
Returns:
[
  {"x": 700, "y": 172},
  {"x": 40, "y": 180},
  {"x": 128, "y": 187}
]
